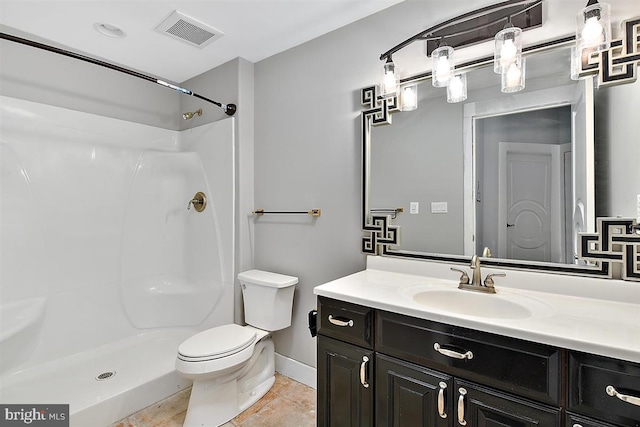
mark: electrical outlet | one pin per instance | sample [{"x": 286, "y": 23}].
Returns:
[
  {"x": 414, "y": 208},
  {"x": 439, "y": 207}
]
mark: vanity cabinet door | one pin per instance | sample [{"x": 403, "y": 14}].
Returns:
[
  {"x": 411, "y": 396},
  {"x": 605, "y": 389},
  {"x": 345, "y": 384},
  {"x": 477, "y": 406}
]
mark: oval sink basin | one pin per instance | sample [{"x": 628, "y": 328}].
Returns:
[{"x": 477, "y": 304}]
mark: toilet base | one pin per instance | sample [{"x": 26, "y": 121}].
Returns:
[
  {"x": 215, "y": 401},
  {"x": 201, "y": 412}
]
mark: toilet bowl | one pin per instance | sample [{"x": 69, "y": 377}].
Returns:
[{"x": 233, "y": 366}]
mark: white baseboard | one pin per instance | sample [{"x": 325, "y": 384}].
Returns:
[{"x": 295, "y": 370}]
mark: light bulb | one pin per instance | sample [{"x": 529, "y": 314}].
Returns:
[
  {"x": 443, "y": 69},
  {"x": 513, "y": 75},
  {"x": 457, "y": 88},
  {"x": 409, "y": 98},
  {"x": 508, "y": 53},
  {"x": 389, "y": 82},
  {"x": 592, "y": 32}
]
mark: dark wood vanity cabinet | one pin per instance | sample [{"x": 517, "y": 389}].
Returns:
[
  {"x": 342, "y": 399},
  {"x": 449, "y": 376},
  {"x": 345, "y": 364},
  {"x": 604, "y": 389},
  {"x": 411, "y": 395},
  {"x": 383, "y": 369}
]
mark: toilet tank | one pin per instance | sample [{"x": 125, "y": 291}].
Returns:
[{"x": 268, "y": 299}]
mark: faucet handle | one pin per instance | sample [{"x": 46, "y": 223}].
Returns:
[
  {"x": 488, "y": 281},
  {"x": 464, "y": 278}
]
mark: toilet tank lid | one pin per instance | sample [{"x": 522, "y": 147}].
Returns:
[{"x": 266, "y": 278}]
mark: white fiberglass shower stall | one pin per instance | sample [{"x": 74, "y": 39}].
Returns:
[{"x": 104, "y": 270}]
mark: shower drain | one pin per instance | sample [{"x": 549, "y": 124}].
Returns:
[{"x": 105, "y": 375}]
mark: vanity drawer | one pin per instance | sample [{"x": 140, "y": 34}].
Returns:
[
  {"x": 521, "y": 367},
  {"x": 589, "y": 382},
  {"x": 345, "y": 321},
  {"x": 578, "y": 421}
]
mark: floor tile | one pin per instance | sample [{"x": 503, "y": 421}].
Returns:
[{"x": 287, "y": 404}]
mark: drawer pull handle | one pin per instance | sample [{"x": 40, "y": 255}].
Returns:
[
  {"x": 461, "y": 419},
  {"x": 611, "y": 391},
  {"x": 363, "y": 372},
  {"x": 451, "y": 353},
  {"x": 338, "y": 322},
  {"x": 441, "y": 412}
]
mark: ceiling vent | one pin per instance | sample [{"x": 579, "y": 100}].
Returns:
[{"x": 188, "y": 29}]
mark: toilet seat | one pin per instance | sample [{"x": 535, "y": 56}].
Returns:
[{"x": 216, "y": 343}]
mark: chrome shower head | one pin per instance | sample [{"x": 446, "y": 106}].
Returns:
[{"x": 189, "y": 115}]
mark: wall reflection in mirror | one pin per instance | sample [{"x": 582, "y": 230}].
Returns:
[{"x": 519, "y": 173}]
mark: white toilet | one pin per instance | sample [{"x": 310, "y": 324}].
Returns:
[{"x": 232, "y": 366}]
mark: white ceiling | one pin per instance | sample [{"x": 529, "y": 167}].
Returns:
[{"x": 254, "y": 29}]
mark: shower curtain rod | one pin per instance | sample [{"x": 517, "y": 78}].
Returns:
[{"x": 229, "y": 109}]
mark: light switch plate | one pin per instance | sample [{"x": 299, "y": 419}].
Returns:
[{"x": 414, "y": 208}]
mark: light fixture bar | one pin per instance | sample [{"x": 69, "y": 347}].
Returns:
[
  {"x": 502, "y": 10},
  {"x": 229, "y": 109}
]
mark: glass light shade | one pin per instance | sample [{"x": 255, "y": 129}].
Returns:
[
  {"x": 389, "y": 80},
  {"x": 457, "y": 88},
  {"x": 513, "y": 77},
  {"x": 593, "y": 28},
  {"x": 442, "y": 66},
  {"x": 507, "y": 49},
  {"x": 409, "y": 97}
]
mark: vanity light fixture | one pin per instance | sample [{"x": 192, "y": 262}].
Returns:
[
  {"x": 508, "y": 48},
  {"x": 442, "y": 65},
  {"x": 390, "y": 79},
  {"x": 470, "y": 28},
  {"x": 409, "y": 97},
  {"x": 593, "y": 29}
]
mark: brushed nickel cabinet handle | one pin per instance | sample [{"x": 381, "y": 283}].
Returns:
[
  {"x": 441, "y": 412},
  {"x": 338, "y": 322},
  {"x": 451, "y": 353},
  {"x": 363, "y": 372},
  {"x": 611, "y": 391},
  {"x": 461, "y": 419}
]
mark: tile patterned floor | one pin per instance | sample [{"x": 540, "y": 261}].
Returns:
[{"x": 287, "y": 404}]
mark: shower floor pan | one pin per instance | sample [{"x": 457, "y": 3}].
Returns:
[{"x": 105, "y": 384}]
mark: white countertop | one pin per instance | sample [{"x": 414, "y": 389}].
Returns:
[{"x": 591, "y": 315}]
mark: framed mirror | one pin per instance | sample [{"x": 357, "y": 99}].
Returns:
[{"x": 520, "y": 174}]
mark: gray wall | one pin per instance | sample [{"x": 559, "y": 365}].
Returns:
[{"x": 307, "y": 153}]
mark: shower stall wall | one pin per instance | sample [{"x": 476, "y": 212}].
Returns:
[{"x": 103, "y": 268}]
